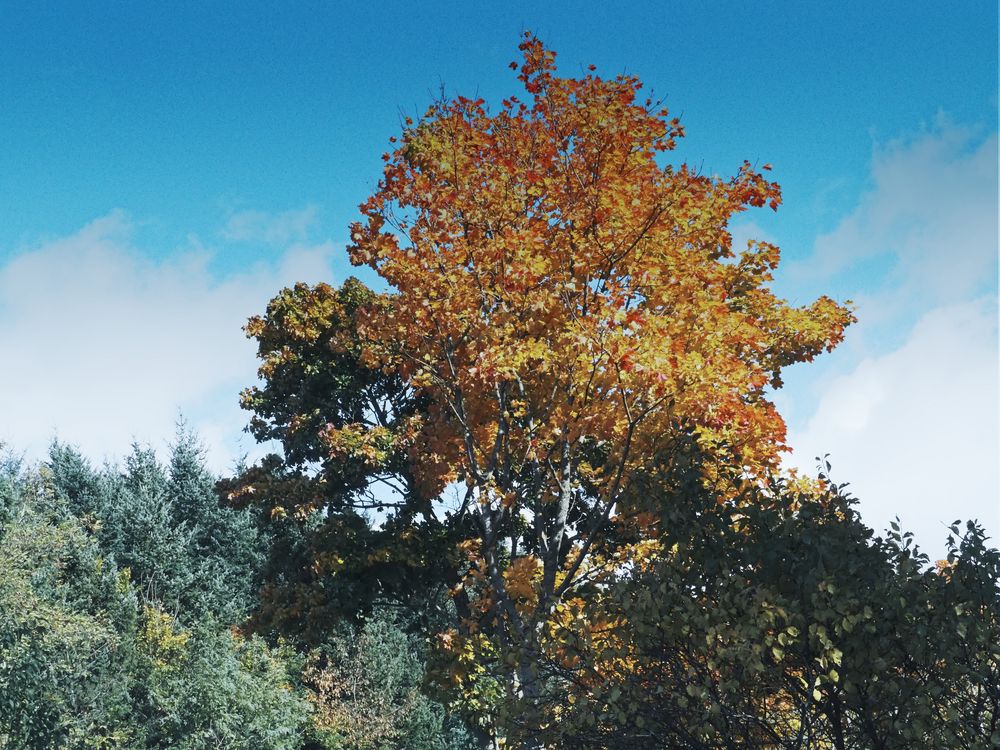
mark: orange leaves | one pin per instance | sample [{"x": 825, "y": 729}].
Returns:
[
  {"x": 354, "y": 442},
  {"x": 547, "y": 247},
  {"x": 569, "y": 339},
  {"x": 564, "y": 306},
  {"x": 522, "y": 578}
]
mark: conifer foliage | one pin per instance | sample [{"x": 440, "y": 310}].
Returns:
[{"x": 124, "y": 596}]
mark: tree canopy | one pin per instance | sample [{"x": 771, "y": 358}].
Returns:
[
  {"x": 566, "y": 312},
  {"x": 124, "y": 594}
]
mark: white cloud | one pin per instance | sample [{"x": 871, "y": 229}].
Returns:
[
  {"x": 928, "y": 223},
  {"x": 271, "y": 228},
  {"x": 102, "y": 345},
  {"x": 912, "y": 420},
  {"x": 915, "y": 431}
]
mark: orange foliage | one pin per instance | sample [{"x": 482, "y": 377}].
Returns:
[
  {"x": 567, "y": 311},
  {"x": 568, "y": 301}
]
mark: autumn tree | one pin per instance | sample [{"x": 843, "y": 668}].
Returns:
[{"x": 566, "y": 310}]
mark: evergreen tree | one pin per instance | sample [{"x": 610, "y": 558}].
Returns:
[
  {"x": 224, "y": 547},
  {"x": 165, "y": 525},
  {"x": 91, "y": 656}
]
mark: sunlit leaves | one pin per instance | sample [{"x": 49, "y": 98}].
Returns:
[{"x": 565, "y": 312}]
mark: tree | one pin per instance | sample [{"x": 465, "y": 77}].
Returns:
[
  {"x": 61, "y": 612},
  {"x": 209, "y": 688},
  {"x": 566, "y": 311},
  {"x": 165, "y": 525},
  {"x": 366, "y": 686},
  {"x": 90, "y": 656},
  {"x": 783, "y": 622}
]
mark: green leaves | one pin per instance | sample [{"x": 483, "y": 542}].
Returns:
[
  {"x": 93, "y": 655},
  {"x": 820, "y": 631}
]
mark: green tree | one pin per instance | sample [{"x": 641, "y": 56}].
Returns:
[
  {"x": 89, "y": 657},
  {"x": 207, "y": 688},
  {"x": 224, "y": 546},
  {"x": 782, "y": 621},
  {"x": 366, "y": 685},
  {"x": 166, "y": 526},
  {"x": 10, "y": 474},
  {"x": 62, "y": 615}
]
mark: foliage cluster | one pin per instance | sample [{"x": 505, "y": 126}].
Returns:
[
  {"x": 783, "y": 622},
  {"x": 123, "y": 596},
  {"x": 550, "y": 443}
]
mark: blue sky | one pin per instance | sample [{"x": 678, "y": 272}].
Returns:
[{"x": 164, "y": 168}]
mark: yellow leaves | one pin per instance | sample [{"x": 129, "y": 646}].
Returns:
[
  {"x": 123, "y": 580},
  {"x": 356, "y": 442},
  {"x": 469, "y": 548},
  {"x": 521, "y": 578},
  {"x": 327, "y": 563},
  {"x": 468, "y": 654},
  {"x": 804, "y": 486},
  {"x": 162, "y": 638},
  {"x": 564, "y": 309}
]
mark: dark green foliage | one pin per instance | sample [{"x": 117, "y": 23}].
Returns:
[
  {"x": 166, "y": 527},
  {"x": 345, "y": 535},
  {"x": 224, "y": 547},
  {"x": 137, "y": 526},
  {"x": 121, "y": 594},
  {"x": 775, "y": 619},
  {"x": 223, "y": 692},
  {"x": 782, "y": 622},
  {"x": 367, "y": 685},
  {"x": 75, "y": 484},
  {"x": 310, "y": 383},
  {"x": 88, "y": 659}
]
